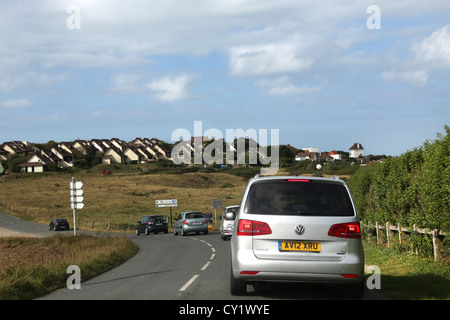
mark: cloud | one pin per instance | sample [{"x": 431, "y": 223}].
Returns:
[
  {"x": 15, "y": 104},
  {"x": 414, "y": 78},
  {"x": 171, "y": 88},
  {"x": 267, "y": 59},
  {"x": 126, "y": 83},
  {"x": 431, "y": 56},
  {"x": 282, "y": 86},
  {"x": 436, "y": 47}
]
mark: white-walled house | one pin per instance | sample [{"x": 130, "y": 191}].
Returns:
[
  {"x": 356, "y": 150},
  {"x": 113, "y": 155},
  {"x": 36, "y": 163},
  {"x": 335, "y": 155}
]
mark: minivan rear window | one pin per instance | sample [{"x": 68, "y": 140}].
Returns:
[{"x": 309, "y": 198}]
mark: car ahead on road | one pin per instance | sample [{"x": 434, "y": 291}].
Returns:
[
  {"x": 297, "y": 229},
  {"x": 227, "y": 223},
  {"x": 152, "y": 224},
  {"x": 193, "y": 221},
  {"x": 59, "y": 224}
]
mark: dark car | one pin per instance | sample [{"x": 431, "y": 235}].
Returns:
[
  {"x": 152, "y": 224},
  {"x": 59, "y": 224}
]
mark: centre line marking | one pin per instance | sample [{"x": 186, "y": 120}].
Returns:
[
  {"x": 205, "y": 266},
  {"x": 183, "y": 288}
]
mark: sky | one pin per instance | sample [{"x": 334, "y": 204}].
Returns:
[{"x": 325, "y": 74}]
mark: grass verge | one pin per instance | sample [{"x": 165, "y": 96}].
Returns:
[
  {"x": 407, "y": 276},
  {"x": 32, "y": 267}
]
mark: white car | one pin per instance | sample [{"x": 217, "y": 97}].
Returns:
[
  {"x": 227, "y": 223},
  {"x": 297, "y": 229}
]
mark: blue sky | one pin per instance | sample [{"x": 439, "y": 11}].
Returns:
[{"x": 311, "y": 69}]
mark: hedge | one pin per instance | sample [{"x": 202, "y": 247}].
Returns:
[{"x": 413, "y": 188}]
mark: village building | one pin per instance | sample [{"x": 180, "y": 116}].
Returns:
[{"x": 356, "y": 150}]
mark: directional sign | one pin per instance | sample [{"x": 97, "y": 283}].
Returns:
[
  {"x": 216, "y": 203},
  {"x": 166, "y": 203},
  {"x": 77, "y": 205},
  {"x": 77, "y": 199},
  {"x": 76, "y": 185},
  {"x": 78, "y": 192}
]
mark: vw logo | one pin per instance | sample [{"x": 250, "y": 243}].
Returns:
[{"x": 299, "y": 229}]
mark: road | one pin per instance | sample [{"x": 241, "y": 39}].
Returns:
[{"x": 168, "y": 267}]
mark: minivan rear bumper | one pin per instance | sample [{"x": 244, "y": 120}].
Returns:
[{"x": 246, "y": 266}]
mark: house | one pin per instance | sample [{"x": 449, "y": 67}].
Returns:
[
  {"x": 64, "y": 157},
  {"x": 80, "y": 145},
  {"x": 132, "y": 155},
  {"x": 113, "y": 155},
  {"x": 302, "y": 156},
  {"x": 310, "y": 149},
  {"x": 323, "y": 156},
  {"x": 3, "y": 154},
  {"x": 36, "y": 163},
  {"x": 120, "y": 144},
  {"x": 335, "y": 155},
  {"x": 356, "y": 150},
  {"x": 16, "y": 147}
]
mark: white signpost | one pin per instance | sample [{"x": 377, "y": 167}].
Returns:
[
  {"x": 216, "y": 203},
  {"x": 76, "y": 200},
  {"x": 167, "y": 203}
]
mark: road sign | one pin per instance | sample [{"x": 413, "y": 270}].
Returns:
[
  {"x": 78, "y": 192},
  {"x": 76, "y": 185},
  {"x": 166, "y": 203},
  {"x": 216, "y": 203},
  {"x": 76, "y": 199},
  {"x": 77, "y": 205}
]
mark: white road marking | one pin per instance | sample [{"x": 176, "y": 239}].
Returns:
[
  {"x": 183, "y": 288},
  {"x": 191, "y": 281}
]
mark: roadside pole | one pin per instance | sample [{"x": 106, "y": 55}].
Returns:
[
  {"x": 76, "y": 200},
  {"x": 216, "y": 203},
  {"x": 74, "y": 210}
]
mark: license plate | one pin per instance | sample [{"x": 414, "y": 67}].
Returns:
[
  {"x": 196, "y": 223},
  {"x": 304, "y": 246}
]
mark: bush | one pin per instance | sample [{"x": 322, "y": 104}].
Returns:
[{"x": 413, "y": 188}]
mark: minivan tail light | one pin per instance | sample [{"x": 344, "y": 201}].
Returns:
[
  {"x": 252, "y": 228},
  {"x": 350, "y": 230},
  {"x": 298, "y": 180}
]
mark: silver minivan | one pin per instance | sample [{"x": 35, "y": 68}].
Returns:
[
  {"x": 227, "y": 223},
  {"x": 297, "y": 229}
]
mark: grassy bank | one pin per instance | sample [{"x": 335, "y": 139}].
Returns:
[
  {"x": 32, "y": 267},
  {"x": 118, "y": 200},
  {"x": 407, "y": 276}
]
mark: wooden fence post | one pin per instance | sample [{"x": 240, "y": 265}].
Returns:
[
  {"x": 388, "y": 233},
  {"x": 437, "y": 245},
  {"x": 378, "y": 232}
]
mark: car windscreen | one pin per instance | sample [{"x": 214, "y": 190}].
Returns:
[
  {"x": 194, "y": 215},
  {"x": 158, "y": 218},
  {"x": 310, "y": 198}
]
